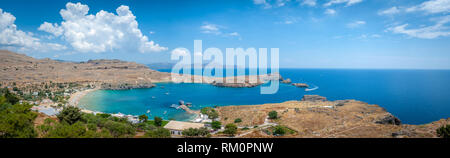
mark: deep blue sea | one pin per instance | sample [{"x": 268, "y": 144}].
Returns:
[{"x": 414, "y": 96}]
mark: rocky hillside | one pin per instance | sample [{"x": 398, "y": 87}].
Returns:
[
  {"x": 110, "y": 74},
  {"x": 316, "y": 117}
]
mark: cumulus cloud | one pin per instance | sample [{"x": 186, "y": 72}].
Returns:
[
  {"x": 432, "y": 6},
  {"x": 101, "y": 32},
  {"x": 330, "y": 12},
  {"x": 356, "y": 24},
  {"x": 17, "y": 40},
  {"x": 348, "y": 2},
  {"x": 390, "y": 11},
  {"x": 428, "y": 32}
]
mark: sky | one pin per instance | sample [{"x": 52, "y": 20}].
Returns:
[{"x": 358, "y": 34}]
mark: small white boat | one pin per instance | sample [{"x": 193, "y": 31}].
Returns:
[{"x": 148, "y": 111}]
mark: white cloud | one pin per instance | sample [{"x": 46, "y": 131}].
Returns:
[
  {"x": 348, "y": 2},
  {"x": 210, "y": 29},
  {"x": 101, "y": 32},
  {"x": 273, "y": 3},
  {"x": 17, "y": 40},
  {"x": 264, "y": 3},
  {"x": 179, "y": 52},
  {"x": 281, "y": 3},
  {"x": 51, "y": 28},
  {"x": 234, "y": 34},
  {"x": 356, "y": 24},
  {"x": 390, "y": 11},
  {"x": 330, "y": 12},
  {"x": 428, "y": 32},
  {"x": 309, "y": 2},
  {"x": 432, "y": 6}
]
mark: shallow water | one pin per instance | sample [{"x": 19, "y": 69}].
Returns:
[{"x": 415, "y": 96}]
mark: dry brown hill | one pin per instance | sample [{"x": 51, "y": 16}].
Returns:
[{"x": 115, "y": 74}]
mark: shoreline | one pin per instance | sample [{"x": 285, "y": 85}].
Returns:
[{"x": 76, "y": 97}]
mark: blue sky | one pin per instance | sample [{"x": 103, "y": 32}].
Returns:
[{"x": 399, "y": 34}]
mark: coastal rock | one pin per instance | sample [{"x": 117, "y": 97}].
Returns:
[
  {"x": 301, "y": 85},
  {"x": 341, "y": 102},
  {"x": 389, "y": 119},
  {"x": 236, "y": 85},
  {"x": 286, "y": 81},
  {"x": 314, "y": 98}
]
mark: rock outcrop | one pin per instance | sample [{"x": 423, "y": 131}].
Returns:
[
  {"x": 389, "y": 119},
  {"x": 236, "y": 85},
  {"x": 301, "y": 85},
  {"x": 286, "y": 81},
  {"x": 314, "y": 98}
]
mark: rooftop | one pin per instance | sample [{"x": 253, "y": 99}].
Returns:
[{"x": 179, "y": 125}]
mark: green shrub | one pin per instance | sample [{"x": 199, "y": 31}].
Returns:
[
  {"x": 158, "y": 133},
  {"x": 120, "y": 129},
  {"x": 70, "y": 114},
  {"x": 273, "y": 115},
  {"x": 279, "y": 130},
  {"x": 444, "y": 131},
  {"x": 238, "y": 120},
  {"x": 212, "y": 114},
  {"x": 230, "y": 129},
  {"x": 143, "y": 118},
  {"x": 196, "y": 132},
  {"x": 216, "y": 125},
  {"x": 158, "y": 121}
]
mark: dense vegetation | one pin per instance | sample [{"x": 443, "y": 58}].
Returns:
[{"x": 16, "y": 119}]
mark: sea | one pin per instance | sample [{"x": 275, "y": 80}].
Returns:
[{"x": 414, "y": 96}]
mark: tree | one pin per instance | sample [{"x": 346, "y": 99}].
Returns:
[
  {"x": 158, "y": 121},
  {"x": 279, "y": 130},
  {"x": 444, "y": 131},
  {"x": 16, "y": 121},
  {"x": 238, "y": 120},
  {"x": 11, "y": 97},
  {"x": 273, "y": 115},
  {"x": 212, "y": 114},
  {"x": 143, "y": 118},
  {"x": 196, "y": 132},
  {"x": 158, "y": 133},
  {"x": 230, "y": 129},
  {"x": 120, "y": 129},
  {"x": 216, "y": 125},
  {"x": 70, "y": 114}
]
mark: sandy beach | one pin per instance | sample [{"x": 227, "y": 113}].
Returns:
[{"x": 75, "y": 97}]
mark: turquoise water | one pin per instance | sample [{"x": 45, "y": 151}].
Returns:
[{"x": 415, "y": 96}]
